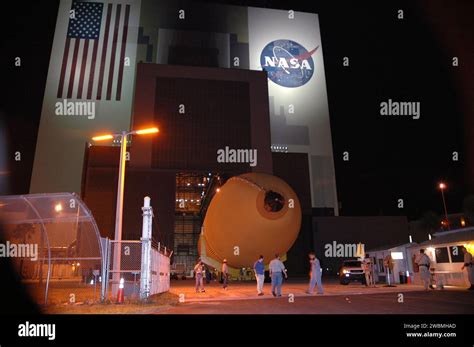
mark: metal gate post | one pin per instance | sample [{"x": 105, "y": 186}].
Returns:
[
  {"x": 145, "y": 277},
  {"x": 105, "y": 270}
]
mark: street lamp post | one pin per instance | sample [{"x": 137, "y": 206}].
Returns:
[
  {"x": 119, "y": 206},
  {"x": 442, "y": 187},
  {"x": 120, "y": 190}
]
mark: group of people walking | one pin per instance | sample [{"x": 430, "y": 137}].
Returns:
[
  {"x": 276, "y": 269},
  {"x": 277, "y": 272}
]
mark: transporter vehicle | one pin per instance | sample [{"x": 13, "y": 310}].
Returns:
[{"x": 351, "y": 270}]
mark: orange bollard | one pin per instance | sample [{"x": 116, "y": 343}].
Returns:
[{"x": 120, "y": 292}]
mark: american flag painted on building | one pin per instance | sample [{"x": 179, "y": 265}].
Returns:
[{"x": 94, "y": 51}]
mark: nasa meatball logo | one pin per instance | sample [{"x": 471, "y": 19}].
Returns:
[{"x": 287, "y": 63}]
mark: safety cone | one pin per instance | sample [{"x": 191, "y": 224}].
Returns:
[
  {"x": 120, "y": 292},
  {"x": 408, "y": 278}
]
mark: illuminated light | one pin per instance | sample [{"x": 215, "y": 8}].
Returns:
[
  {"x": 78, "y": 264},
  {"x": 103, "y": 137},
  {"x": 92, "y": 281},
  {"x": 442, "y": 185},
  {"x": 58, "y": 208},
  {"x": 430, "y": 249},
  {"x": 188, "y": 184},
  {"x": 410, "y": 238},
  {"x": 408, "y": 273},
  {"x": 146, "y": 131},
  {"x": 397, "y": 255},
  {"x": 463, "y": 222},
  {"x": 345, "y": 271},
  {"x": 218, "y": 190},
  {"x": 347, "y": 275},
  {"x": 122, "y": 281},
  {"x": 469, "y": 247},
  {"x": 429, "y": 236}
]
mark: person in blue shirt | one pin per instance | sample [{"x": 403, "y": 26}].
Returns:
[
  {"x": 259, "y": 268},
  {"x": 314, "y": 274}
]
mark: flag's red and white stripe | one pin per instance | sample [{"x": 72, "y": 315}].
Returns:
[{"x": 93, "y": 68}]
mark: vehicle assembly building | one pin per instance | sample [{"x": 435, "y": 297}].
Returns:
[{"x": 248, "y": 82}]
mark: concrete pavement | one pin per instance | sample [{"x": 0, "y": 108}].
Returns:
[
  {"x": 298, "y": 288},
  {"x": 448, "y": 301}
]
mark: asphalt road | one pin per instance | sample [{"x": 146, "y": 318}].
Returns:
[{"x": 433, "y": 302}]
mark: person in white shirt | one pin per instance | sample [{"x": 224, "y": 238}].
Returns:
[
  {"x": 368, "y": 272},
  {"x": 469, "y": 266},
  {"x": 424, "y": 266},
  {"x": 225, "y": 274},
  {"x": 277, "y": 271},
  {"x": 198, "y": 271}
]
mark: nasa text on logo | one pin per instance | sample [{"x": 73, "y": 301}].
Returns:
[{"x": 287, "y": 63}]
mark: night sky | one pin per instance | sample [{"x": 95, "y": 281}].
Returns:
[{"x": 402, "y": 60}]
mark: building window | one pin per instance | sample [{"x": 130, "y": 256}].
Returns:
[
  {"x": 457, "y": 255},
  {"x": 381, "y": 268},
  {"x": 183, "y": 249},
  {"x": 441, "y": 255}
]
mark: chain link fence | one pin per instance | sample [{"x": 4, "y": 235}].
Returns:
[{"x": 128, "y": 254}]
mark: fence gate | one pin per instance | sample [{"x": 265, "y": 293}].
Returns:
[
  {"x": 130, "y": 269},
  {"x": 160, "y": 270},
  {"x": 143, "y": 265},
  {"x": 128, "y": 255}
]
